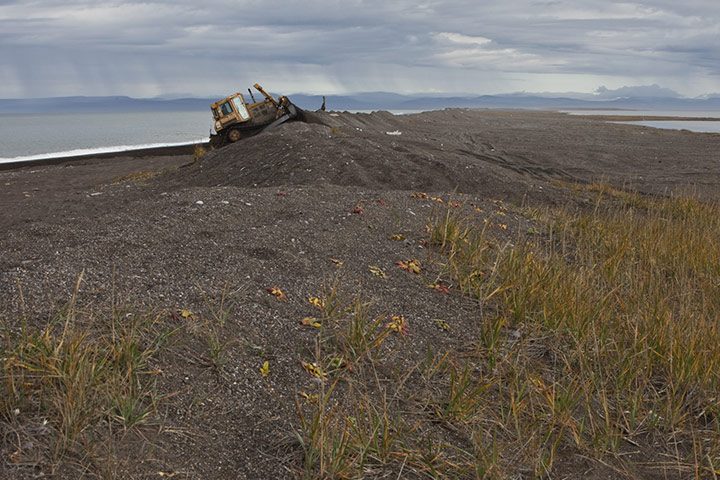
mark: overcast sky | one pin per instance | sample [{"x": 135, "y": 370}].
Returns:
[{"x": 216, "y": 47}]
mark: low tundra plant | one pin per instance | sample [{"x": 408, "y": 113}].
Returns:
[
  {"x": 79, "y": 377},
  {"x": 612, "y": 319}
]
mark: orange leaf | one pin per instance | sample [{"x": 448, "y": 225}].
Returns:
[
  {"x": 277, "y": 293},
  {"x": 398, "y": 324},
  {"x": 310, "y": 322},
  {"x": 317, "y": 302},
  {"x": 413, "y": 265}
]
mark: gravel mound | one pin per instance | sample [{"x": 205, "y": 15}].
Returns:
[
  {"x": 377, "y": 151},
  {"x": 490, "y": 153}
]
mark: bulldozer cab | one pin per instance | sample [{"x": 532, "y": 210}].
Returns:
[{"x": 230, "y": 111}]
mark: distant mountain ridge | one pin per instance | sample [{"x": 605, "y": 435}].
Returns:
[
  {"x": 361, "y": 101},
  {"x": 402, "y": 102}
]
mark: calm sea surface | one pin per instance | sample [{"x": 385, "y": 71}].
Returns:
[
  {"x": 36, "y": 136},
  {"x": 31, "y": 136},
  {"x": 694, "y": 126}
]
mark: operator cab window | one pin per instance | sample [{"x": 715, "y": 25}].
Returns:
[
  {"x": 240, "y": 108},
  {"x": 226, "y": 109}
]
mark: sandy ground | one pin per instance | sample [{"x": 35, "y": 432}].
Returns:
[{"x": 275, "y": 210}]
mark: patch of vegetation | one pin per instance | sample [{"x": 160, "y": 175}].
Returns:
[
  {"x": 600, "y": 341},
  {"x": 135, "y": 177},
  {"x": 199, "y": 152},
  {"x": 71, "y": 388},
  {"x": 597, "y": 340}
]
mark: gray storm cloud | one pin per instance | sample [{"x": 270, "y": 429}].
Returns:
[{"x": 148, "y": 48}]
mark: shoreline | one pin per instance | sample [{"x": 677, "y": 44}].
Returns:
[
  {"x": 168, "y": 151},
  {"x": 649, "y": 118},
  {"x": 185, "y": 148}
]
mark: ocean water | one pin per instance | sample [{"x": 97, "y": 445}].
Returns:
[
  {"x": 648, "y": 113},
  {"x": 36, "y": 136},
  {"x": 693, "y": 126},
  {"x": 707, "y": 126}
]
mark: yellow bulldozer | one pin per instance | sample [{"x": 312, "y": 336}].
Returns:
[{"x": 236, "y": 119}]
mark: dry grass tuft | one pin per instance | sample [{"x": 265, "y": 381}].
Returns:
[
  {"x": 198, "y": 152},
  {"x": 135, "y": 177},
  {"x": 66, "y": 389}
]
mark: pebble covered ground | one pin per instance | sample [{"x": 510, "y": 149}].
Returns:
[{"x": 302, "y": 210}]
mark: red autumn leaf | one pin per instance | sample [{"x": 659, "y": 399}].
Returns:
[
  {"x": 413, "y": 265},
  {"x": 358, "y": 210},
  {"x": 281, "y": 194},
  {"x": 441, "y": 288},
  {"x": 383, "y": 203}
]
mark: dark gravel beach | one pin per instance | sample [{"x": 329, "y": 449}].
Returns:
[
  {"x": 502, "y": 153},
  {"x": 159, "y": 231}
]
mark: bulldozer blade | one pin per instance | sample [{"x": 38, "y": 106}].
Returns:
[{"x": 277, "y": 122}]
